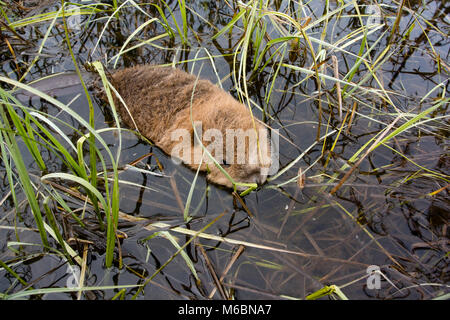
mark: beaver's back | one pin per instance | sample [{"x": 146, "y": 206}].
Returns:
[
  {"x": 155, "y": 95},
  {"x": 159, "y": 100}
]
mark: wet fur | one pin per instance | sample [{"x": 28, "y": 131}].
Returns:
[{"x": 158, "y": 99}]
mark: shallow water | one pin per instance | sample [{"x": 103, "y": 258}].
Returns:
[{"x": 296, "y": 240}]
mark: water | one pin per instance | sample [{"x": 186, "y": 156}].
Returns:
[{"x": 296, "y": 240}]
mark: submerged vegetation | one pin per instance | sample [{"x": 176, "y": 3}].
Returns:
[{"x": 359, "y": 93}]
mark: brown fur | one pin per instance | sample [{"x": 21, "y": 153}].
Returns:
[{"x": 159, "y": 98}]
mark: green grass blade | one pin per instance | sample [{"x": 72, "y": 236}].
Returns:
[
  {"x": 13, "y": 273},
  {"x": 52, "y": 221},
  {"x": 183, "y": 253},
  {"x": 24, "y": 177},
  {"x": 230, "y": 24}
]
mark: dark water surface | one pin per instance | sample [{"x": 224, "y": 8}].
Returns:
[{"x": 382, "y": 216}]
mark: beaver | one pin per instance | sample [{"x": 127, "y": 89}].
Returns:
[{"x": 165, "y": 104}]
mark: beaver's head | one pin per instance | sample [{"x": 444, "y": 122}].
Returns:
[{"x": 229, "y": 133}]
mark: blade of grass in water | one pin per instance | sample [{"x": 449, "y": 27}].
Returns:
[
  {"x": 325, "y": 291},
  {"x": 10, "y": 139},
  {"x": 165, "y": 23},
  {"x": 52, "y": 143},
  {"x": 230, "y": 24},
  {"x": 41, "y": 47},
  {"x": 182, "y": 4},
  {"x": 111, "y": 211},
  {"x": 22, "y": 294},
  {"x": 138, "y": 29},
  {"x": 191, "y": 192},
  {"x": 78, "y": 180},
  {"x": 114, "y": 199},
  {"x": 181, "y": 34},
  {"x": 9, "y": 172},
  {"x": 115, "y": 14},
  {"x": 13, "y": 273},
  {"x": 21, "y": 131},
  {"x": 92, "y": 151},
  {"x": 176, "y": 253},
  {"x": 52, "y": 221},
  {"x": 183, "y": 253}
]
